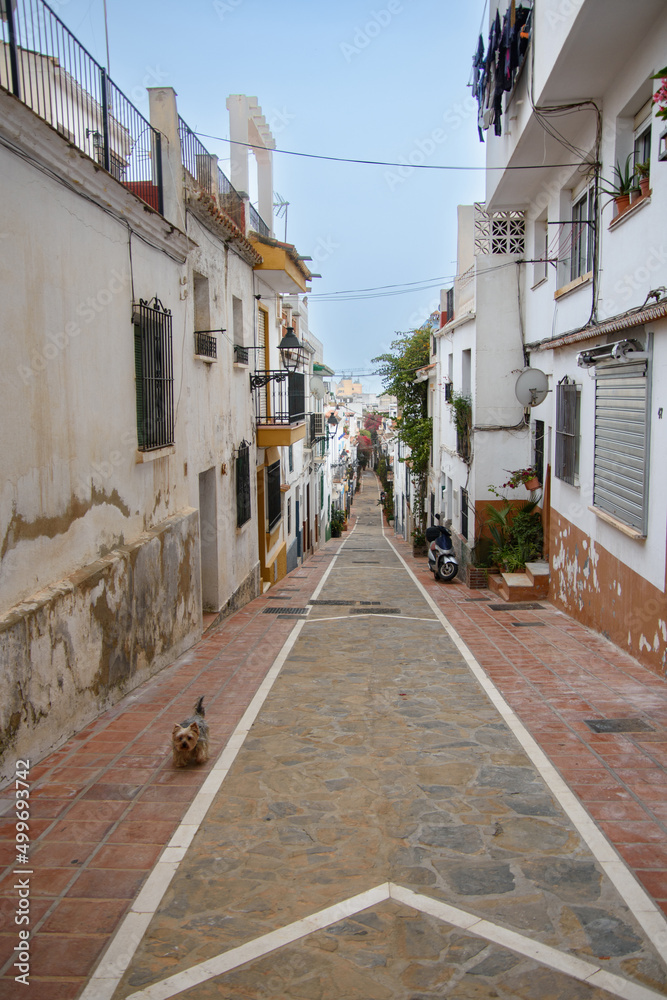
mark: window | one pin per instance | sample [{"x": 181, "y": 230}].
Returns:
[
  {"x": 273, "y": 494},
  {"x": 642, "y": 147},
  {"x": 568, "y": 405},
  {"x": 289, "y": 515},
  {"x": 154, "y": 373},
  {"x": 583, "y": 220},
  {"x": 621, "y": 442},
  {"x": 243, "y": 485},
  {"x": 642, "y": 135}
]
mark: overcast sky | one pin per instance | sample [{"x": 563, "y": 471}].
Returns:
[{"x": 356, "y": 79}]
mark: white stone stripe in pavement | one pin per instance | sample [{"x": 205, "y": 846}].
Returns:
[
  {"x": 126, "y": 940},
  {"x": 227, "y": 961},
  {"x": 645, "y": 911}
]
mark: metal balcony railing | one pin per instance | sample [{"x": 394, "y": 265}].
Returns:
[
  {"x": 47, "y": 68},
  {"x": 206, "y": 345},
  {"x": 281, "y": 399}
]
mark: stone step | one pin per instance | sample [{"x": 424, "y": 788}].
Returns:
[
  {"x": 538, "y": 573},
  {"x": 529, "y": 586}
]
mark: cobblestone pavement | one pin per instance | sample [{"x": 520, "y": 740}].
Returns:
[{"x": 393, "y": 808}]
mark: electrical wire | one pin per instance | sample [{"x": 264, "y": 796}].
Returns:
[{"x": 385, "y": 163}]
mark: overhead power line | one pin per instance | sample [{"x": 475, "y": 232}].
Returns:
[{"x": 387, "y": 163}]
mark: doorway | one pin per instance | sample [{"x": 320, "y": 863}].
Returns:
[{"x": 208, "y": 538}]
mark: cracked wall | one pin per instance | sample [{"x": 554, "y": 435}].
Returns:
[
  {"x": 79, "y": 646},
  {"x": 600, "y": 591}
]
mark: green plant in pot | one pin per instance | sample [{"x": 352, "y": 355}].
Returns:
[
  {"x": 622, "y": 185},
  {"x": 516, "y": 533},
  {"x": 337, "y": 523},
  {"x": 643, "y": 171}
]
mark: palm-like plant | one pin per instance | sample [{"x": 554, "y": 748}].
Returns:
[{"x": 624, "y": 179}]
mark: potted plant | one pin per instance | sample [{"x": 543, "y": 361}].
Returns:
[
  {"x": 419, "y": 547},
  {"x": 643, "y": 170},
  {"x": 337, "y": 523},
  {"x": 621, "y": 187},
  {"x": 522, "y": 477}
]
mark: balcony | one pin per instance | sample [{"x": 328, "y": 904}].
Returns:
[
  {"x": 280, "y": 410},
  {"x": 282, "y": 268}
]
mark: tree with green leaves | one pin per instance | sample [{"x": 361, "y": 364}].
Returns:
[{"x": 398, "y": 370}]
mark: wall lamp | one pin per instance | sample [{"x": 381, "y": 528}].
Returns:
[{"x": 291, "y": 352}]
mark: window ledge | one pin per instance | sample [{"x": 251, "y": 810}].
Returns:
[
  {"x": 571, "y": 285},
  {"x": 540, "y": 281},
  {"x": 206, "y": 359},
  {"x": 242, "y": 365},
  {"x": 152, "y": 456},
  {"x": 635, "y": 207},
  {"x": 615, "y": 523}
]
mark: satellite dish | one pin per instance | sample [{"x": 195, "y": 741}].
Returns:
[
  {"x": 317, "y": 387},
  {"x": 531, "y": 387}
]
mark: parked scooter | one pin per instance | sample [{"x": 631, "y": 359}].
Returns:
[{"x": 441, "y": 558}]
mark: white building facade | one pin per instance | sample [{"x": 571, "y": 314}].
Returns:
[{"x": 593, "y": 302}]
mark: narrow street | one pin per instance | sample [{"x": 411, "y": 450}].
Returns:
[{"x": 404, "y": 800}]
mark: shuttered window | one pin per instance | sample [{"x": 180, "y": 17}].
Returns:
[
  {"x": 621, "y": 442},
  {"x": 567, "y": 432},
  {"x": 243, "y": 485},
  {"x": 261, "y": 355}
]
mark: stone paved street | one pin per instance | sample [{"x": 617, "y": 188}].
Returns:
[{"x": 376, "y": 821}]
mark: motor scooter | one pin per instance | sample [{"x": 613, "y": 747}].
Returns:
[{"x": 442, "y": 561}]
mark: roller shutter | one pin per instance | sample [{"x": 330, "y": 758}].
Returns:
[{"x": 621, "y": 442}]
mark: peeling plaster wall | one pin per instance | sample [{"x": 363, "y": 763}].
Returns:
[
  {"x": 603, "y": 593},
  {"x": 79, "y": 646}
]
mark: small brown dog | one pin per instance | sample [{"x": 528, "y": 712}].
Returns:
[{"x": 190, "y": 739}]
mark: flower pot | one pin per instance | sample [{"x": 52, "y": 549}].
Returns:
[
  {"x": 532, "y": 484},
  {"x": 645, "y": 186},
  {"x": 622, "y": 203},
  {"x": 636, "y": 195}
]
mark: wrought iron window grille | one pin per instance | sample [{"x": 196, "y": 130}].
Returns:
[{"x": 154, "y": 371}]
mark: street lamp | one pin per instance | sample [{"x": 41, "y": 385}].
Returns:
[{"x": 290, "y": 348}]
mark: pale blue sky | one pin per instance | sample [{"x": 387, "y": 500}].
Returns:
[{"x": 380, "y": 81}]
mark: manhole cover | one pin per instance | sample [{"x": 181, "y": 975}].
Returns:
[
  {"x": 517, "y": 606},
  {"x": 286, "y": 611},
  {"x": 375, "y": 611},
  {"x": 619, "y": 726}
]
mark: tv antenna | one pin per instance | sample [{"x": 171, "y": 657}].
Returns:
[{"x": 281, "y": 207}]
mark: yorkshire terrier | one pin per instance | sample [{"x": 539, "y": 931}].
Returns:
[{"x": 190, "y": 739}]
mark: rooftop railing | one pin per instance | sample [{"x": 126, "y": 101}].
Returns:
[
  {"x": 231, "y": 201},
  {"x": 257, "y": 223},
  {"x": 47, "y": 68}
]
